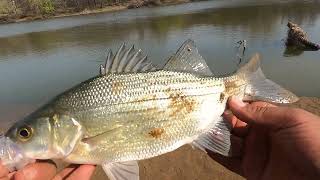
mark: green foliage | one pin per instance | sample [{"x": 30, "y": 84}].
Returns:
[
  {"x": 47, "y": 7},
  {"x": 33, "y": 8},
  {"x": 7, "y": 7},
  {"x": 41, "y": 6}
]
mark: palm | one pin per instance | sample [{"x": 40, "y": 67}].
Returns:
[
  {"x": 279, "y": 143},
  {"x": 256, "y": 156},
  {"x": 264, "y": 157}
]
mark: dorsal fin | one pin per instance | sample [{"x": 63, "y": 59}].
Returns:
[
  {"x": 188, "y": 59},
  {"x": 126, "y": 61}
]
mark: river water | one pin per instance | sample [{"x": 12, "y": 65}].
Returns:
[{"x": 40, "y": 59}]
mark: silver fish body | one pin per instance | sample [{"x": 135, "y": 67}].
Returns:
[
  {"x": 133, "y": 111},
  {"x": 138, "y": 116}
]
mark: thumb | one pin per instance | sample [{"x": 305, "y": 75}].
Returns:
[
  {"x": 262, "y": 114},
  {"x": 37, "y": 171}
]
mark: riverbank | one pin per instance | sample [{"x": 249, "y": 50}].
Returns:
[
  {"x": 131, "y": 4},
  {"x": 66, "y": 14}
]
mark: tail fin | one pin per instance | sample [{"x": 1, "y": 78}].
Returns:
[{"x": 261, "y": 88}]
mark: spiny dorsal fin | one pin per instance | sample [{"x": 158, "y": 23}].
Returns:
[
  {"x": 188, "y": 59},
  {"x": 125, "y": 61}
]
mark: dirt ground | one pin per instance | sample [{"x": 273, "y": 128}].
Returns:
[{"x": 192, "y": 164}]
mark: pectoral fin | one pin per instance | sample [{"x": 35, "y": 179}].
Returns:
[
  {"x": 216, "y": 139},
  {"x": 122, "y": 170}
]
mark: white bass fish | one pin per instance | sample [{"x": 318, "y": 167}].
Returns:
[{"x": 133, "y": 111}]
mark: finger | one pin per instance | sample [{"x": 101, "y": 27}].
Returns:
[
  {"x": 36, "y": 171},
  {"x": 261, "y": 113},
  {"x": 83, "y": 172},
  {"x": 263, "y": 104},
  {"x": 10, "y": 175},
  {"x": 239, "y": 128},
  {"x": 66, "y": 172},
  {"x": 5, "y": 178},
  {"x": 3, "y": 171}
]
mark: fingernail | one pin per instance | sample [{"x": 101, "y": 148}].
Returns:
[{"x": 238, "y": 102}]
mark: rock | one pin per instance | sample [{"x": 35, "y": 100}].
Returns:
[{"x": 297, "y": 37}]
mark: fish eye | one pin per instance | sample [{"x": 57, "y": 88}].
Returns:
[{"x": 25, "y": 133}]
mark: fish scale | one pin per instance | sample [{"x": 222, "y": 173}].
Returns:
[
  {"x": 147, "y": 115},
  {"x": 100, "y": 91},
  {"x": 177, "y": 127}
]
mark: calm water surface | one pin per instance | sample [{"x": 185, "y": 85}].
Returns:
[{"x": 40, "y": 59}]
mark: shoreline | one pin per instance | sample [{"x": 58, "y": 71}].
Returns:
[
  {"x": 66, "y": 14},
  {"x": 106, "y": 9}
]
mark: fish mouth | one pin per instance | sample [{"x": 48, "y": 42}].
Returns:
[{"x": 11, "y": 155}]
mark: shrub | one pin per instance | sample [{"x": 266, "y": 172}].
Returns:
[
  {"x": 47, "y": 7},
  {"x": 7, "y": 7},
  {"x": 37, "y": 7}
]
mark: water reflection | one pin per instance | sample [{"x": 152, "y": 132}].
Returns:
[
  {"x": 292, "y": 51},
  {"x": 36, "y": 66},
  {"x": 255, "y": 20}
]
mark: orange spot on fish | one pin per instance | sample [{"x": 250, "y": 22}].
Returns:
[
  {"x": 181, "y": 103},
  {"x": 156, "y": 132}
]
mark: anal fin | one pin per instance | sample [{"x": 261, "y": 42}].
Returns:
[
  {"x": 216, "y": 139},
  {"x": 122, "y": 170}
]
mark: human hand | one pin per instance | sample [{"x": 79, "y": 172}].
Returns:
[
  {"x": 47, "y": 170},
  {"x": 278, "y": 142}
]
